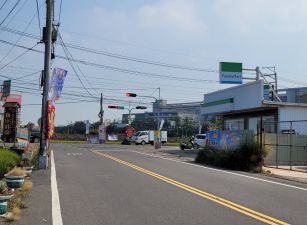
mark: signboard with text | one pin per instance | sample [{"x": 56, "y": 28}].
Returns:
[
  {"x": 102, "y": 133},
  {"x": 230, "y": 73}
]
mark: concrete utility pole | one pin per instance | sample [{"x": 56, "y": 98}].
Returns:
[
  {"x": 129, "y": 121},
  {"x": 159, "y": 108},
  {"x": 47, "y": 39},
  {"x": 101, "y": 109}
]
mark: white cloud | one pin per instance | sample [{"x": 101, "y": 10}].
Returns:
[
  {"x": 275, "y": 15},
  {"x": 181, "y": 15}
]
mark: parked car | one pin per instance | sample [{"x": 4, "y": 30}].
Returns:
[
  {"x": 35, "y": 136},
  {"x": 200, "y": 140}
]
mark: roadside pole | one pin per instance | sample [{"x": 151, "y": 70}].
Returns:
[
  {"x": 47, "y": 39},
  {"x": 102, "y": 129},
  {"x": 101, "y": 109}
]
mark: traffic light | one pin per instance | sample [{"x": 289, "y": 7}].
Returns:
[
  {"x": 141, "y": 107},
  {"x": 130, "y": 94},
  {"x": 115, "y": 107}
]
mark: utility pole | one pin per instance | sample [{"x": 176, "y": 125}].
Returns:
[
  {"x": 47, "y": 39},
  {"x": 101, "y": 109},
  {"x": 257, "y": 73},
  {"x": 129, "y": 121},
  {"x": 159, "y": 107}
]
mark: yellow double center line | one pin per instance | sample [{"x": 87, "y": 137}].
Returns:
[{"x": 239, "y": 208}]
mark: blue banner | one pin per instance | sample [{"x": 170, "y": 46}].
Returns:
[
  {"x": 224, "y": 139},
  {"x": 56, "y": 84}
]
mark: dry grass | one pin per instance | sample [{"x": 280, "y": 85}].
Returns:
[
  {"x": 16, "y": 172},
  {"x": 14, "y": 214},
  {"x": 25, "y": 189},
  {"x": 16, "y": 202}
]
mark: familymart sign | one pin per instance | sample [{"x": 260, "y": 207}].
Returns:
[{"x": 230, "y": 73}]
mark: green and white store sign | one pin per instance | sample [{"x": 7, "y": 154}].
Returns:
[{"x": 230, "y": 73}]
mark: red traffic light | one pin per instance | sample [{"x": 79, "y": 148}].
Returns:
[
  {"x": 130, "y": 94},
  {"x": 115, "y": 107}
]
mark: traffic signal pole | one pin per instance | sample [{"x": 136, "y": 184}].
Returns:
[{"x": 43, "y": 159}]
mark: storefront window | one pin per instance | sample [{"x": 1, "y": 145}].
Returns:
[
  {"x": 237, "y": 124},
  {"x": 269, "y": 124},
  {"x": 254, "y": 124}
]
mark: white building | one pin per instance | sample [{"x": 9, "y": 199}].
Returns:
[{"x": 243, "y": 107}]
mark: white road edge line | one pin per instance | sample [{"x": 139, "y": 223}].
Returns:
[
  {"x": 223, "y": 171},
  {"x": 56, "y": 207}
]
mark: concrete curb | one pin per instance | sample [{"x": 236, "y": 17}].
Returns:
[{"x": 299, "y": 180}]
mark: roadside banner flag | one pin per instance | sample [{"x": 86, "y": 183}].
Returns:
[
  {"x": 56, "y": 83},
  {"x": 87, "y": 127}
]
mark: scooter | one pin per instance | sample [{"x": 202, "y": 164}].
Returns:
[{"x": 189, "y": 145}]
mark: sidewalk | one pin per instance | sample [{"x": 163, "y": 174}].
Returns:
[
  {"x": 38, "y": 203},
  {"x": 287, "y": 174}
]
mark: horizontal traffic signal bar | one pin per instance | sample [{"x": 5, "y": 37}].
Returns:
[
  {"x": 141, "y": 107},
  {"x": 116, "y": 107}
]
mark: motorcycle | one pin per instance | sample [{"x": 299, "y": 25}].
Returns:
[{"x": 189, "y": 145}]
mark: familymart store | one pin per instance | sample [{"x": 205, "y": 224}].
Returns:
[{"x": 243, "y": 107}]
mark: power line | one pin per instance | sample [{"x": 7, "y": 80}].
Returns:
[
  {"x": 73, "y": 96},
  {"x": 123, "y": 57},
  {"x": 128, "y": 58},
  {"x": 20, "y": 36},
  {"x": 3, "y": 4},
  {"x": 117, "y": 69},
  {"x": 64, "y": 45},
  {"x": 38, "y": 17},
  {"x": 72, "y": 66},
  {"x": 60, "y": 11},
  {"x": 16, "y": 58},
  {"x": 60, "y": 103},
  {"x": 10, "y": 12}
]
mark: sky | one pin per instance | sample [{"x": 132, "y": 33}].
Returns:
[{"x": 186, "y": 33}]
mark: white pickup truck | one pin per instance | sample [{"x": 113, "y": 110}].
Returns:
[{"x": 148, "y": 136}]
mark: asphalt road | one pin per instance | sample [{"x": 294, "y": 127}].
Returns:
[{"x": 123, "y": 185}]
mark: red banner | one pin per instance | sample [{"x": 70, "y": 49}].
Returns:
[{"x": 51, "y": 115}]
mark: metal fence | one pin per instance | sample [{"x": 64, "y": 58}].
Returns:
[{"x": 286, "y": 143}]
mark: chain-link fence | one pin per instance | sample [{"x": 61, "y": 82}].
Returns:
[{"x": 286, "y": 143}]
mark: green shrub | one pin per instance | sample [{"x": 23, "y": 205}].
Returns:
[
  {"x": 8, "y": 160},
  {"x": 246, "y": 157}
]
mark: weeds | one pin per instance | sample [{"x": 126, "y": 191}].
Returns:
[
  {"x": 247, "y": 157},
  {"x": 8, "y": 160},
  {"x": 25, "y": 190},
  {"x": 16, "y": 202}
]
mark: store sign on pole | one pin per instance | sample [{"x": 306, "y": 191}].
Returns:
[
  {"x": 230, "y": 73},
  {"x": 266, "y": 92},
  {"x": 102, "y": 133}
]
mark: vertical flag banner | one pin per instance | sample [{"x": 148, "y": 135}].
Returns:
[
  {"x": 87, "y": 127},
  {"x": 51, "y": 115},
  {"x": 56, "y": 83}
]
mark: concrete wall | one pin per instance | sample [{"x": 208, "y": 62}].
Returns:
[{"x": 244, "y": 96}]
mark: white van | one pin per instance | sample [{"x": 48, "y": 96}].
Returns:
[{"x": 148, "y": 136}]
